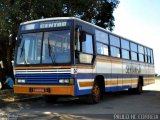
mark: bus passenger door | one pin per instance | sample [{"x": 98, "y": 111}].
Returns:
[{"x": 84, "y": 58}]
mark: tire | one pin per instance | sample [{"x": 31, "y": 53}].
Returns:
[
  {"x": 137, "y": 90},
  {"x": 50, "y": 98},
  {"x": 96, "y": 94}
]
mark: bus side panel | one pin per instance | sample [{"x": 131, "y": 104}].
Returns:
[
  {"x": 127, "y": 76},
  {"x": 103, "y": 67},
  {"x": 84, "y": 81},
  {"x": 135, "y": 73},
  {"x": 151, "y": 75},
  {"x": 116, "y": 81},
  {"x": 144, "y": 72}
]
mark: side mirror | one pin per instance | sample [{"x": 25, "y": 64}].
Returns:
[
  {"x": 18, "y": 40},
  {"x": 82, "y": 36}
]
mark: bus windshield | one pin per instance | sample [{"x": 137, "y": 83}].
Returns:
[{"x": 51, "y": 47}]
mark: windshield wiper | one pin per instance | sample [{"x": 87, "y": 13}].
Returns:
[
  {"x": 22, "y": 49},
  {"x": 51, "y": 52},
  {"x": 22, "y": 53}
]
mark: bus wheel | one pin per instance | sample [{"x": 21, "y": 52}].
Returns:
[
  {"x": 95, "y": 95},
  {"x": 139, "y": 88},
  {"x": 50, "y": 98}
]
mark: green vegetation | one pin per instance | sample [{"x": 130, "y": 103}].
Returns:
[{"x": 13, "y": 12}]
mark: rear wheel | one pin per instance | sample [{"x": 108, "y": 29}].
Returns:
[
  {"x": 137, "y": 90},
  {"x": 96, "y": 94}
]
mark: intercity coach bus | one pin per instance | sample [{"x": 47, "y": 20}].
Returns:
[{"x": 66, "y": 56}]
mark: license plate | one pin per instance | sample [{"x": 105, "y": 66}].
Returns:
[{"x": 38, "y": 90}]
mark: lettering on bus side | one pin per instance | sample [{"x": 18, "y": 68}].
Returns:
[{"x": 131, "y": 69}]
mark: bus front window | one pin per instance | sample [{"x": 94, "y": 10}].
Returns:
[
  {"x": 44, "y": 48},
  {"x": 29, "y": 49},
  {"x": 56, "y": 47}
]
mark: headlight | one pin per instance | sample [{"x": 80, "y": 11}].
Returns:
[
  {"x": 62, "y": 81},
  {"x": 21, "y": 81},
  {"x": 66, "y": 80}
]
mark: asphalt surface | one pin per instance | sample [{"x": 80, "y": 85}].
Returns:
[{"x": 120, "y": 105}]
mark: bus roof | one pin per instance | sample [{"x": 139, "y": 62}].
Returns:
[
  {"x": 78, "y": 19},
  {"x": 48, "y": 19}
]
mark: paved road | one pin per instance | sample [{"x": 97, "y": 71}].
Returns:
[{"x": 112, "y": 105}]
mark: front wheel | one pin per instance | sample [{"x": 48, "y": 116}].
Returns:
[{"x": 95, "y": 96}]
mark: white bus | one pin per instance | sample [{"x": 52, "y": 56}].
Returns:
[{"x": 70, "y": 57}]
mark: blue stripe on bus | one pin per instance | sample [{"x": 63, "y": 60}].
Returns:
[
  {"x": 83, "y": 92},
  {"x": 92, "y": 76},
  {"x": 85, "y": 76},
  {"x": 51, "y": 78},
  {"x": 107, "y": 89},
  {"x": 117, "y": 88}
]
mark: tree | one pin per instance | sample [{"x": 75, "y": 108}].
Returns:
[
  {"x": 99, "y": 12},
  {"x": 13, "y": 12}
]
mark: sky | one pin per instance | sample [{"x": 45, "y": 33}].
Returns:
[{"x": 139, "y": 21}]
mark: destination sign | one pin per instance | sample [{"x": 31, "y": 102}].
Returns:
[
  {"x": 53, "y": 24},
  {"x": 45, "y": 25}
]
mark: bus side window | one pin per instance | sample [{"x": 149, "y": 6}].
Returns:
[
  {"x": 87, "y": 44},
  {"x": 84, "y": 47}
]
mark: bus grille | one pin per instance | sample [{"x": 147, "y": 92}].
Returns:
[{"x": 42, "y": 78}]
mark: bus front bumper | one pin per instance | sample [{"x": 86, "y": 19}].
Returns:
[{"x": 44, "y": 89}]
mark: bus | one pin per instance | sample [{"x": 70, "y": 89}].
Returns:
[{"x": 66, "y": 56}]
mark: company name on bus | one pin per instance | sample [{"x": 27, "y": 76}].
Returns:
[
  {"x": 130, "y": 69},
  {"x": 53, "y": 24}
]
